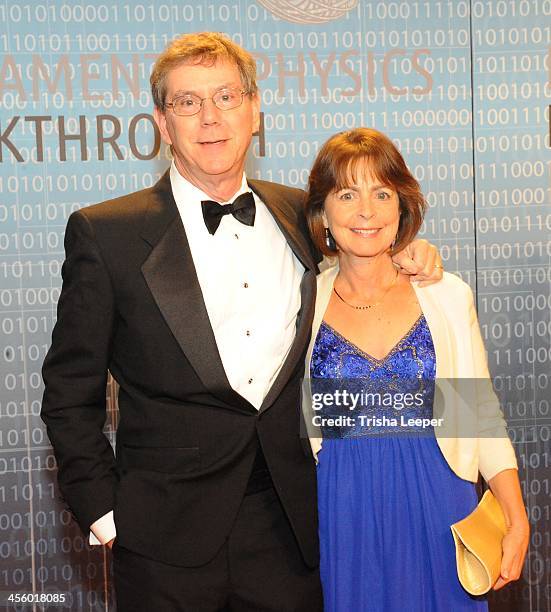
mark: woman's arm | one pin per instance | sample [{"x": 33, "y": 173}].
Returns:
[
  {"x": 496, "y": 452},
  {"x": 506, "y": 487},
  {"x": 497, "y": 462}
]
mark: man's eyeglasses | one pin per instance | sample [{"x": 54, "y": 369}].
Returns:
[{"x": 189, "y": 104}]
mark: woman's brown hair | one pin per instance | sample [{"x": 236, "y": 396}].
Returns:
[{"x": 339, "y": 160}]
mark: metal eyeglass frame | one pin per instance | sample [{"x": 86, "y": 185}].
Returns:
[{"x": 243, "y": 93}]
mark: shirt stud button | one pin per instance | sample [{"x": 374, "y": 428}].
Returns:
[
  {"x": 250, "y": 380},
  {"x": 245, "y": 285}
]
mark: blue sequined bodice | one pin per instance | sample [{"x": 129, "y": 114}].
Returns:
[{"x": 408, "y": 371}]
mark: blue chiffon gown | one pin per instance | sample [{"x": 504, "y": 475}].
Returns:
[{"x": 387, "y": 498}]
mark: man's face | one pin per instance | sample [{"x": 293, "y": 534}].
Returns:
[{"x": 210, "y": 147}]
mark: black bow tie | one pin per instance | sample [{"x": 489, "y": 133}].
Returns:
[{"x": 242, "y": 208}]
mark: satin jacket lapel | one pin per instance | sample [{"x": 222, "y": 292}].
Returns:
[
  {"x": 287, "y": 224},
  {"x": 297, "y": 350},
  {"x": 278, "y": 207},
  {"x": 170, "y": 275}
]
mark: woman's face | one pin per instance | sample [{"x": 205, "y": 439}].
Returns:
[{"x": 364, "y": 216}]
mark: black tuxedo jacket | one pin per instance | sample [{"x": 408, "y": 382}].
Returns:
[{"x": 131, "y": 304}]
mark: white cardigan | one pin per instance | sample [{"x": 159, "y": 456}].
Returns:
[{"x": 448, "y": 307}]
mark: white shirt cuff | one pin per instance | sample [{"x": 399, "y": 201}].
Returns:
[{"x": 103, "y": 530}]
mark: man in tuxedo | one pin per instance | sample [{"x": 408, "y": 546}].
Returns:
[{"x": 197, "y": 295}]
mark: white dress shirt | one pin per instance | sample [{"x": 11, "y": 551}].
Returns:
[{"x": 250, "y": 281}]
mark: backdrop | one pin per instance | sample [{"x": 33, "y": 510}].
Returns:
[{"x": 462, "y": 87}]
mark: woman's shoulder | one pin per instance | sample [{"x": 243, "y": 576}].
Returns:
[
  {"x": 454, "y": 282},
  {"x": 328, "y": 270},
  {"x": 451, "y": 288}
]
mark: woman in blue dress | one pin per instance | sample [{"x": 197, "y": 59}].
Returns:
[{"x": 390, "y": 481}]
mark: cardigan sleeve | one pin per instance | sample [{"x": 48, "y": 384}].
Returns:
[{"x": 496, "y": 452}]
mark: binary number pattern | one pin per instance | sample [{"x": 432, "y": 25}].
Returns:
[{"x": 462, "y": 87}]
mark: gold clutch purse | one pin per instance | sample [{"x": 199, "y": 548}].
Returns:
[{"x": 478, "y": 549}]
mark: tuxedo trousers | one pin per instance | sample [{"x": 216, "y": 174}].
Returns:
[{"x": 258, "y": 569}]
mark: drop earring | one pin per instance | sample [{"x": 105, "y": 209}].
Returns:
[{"x": 329, "y": 240}]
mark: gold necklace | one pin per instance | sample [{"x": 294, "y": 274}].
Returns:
[{"x": 367, "y": 306}]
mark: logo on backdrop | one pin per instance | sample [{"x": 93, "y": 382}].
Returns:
[{"x": 309, "y": 11}]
